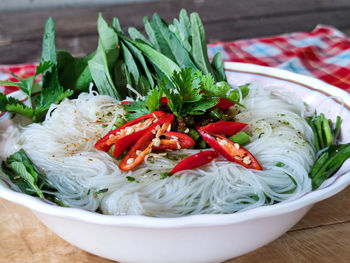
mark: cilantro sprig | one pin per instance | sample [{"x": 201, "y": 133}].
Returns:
[
  {"x": 51, "y": 91},
  {"x": 185, "y": 97}
]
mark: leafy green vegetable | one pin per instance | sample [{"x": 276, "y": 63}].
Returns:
[
  {"x": 218, "y": 67},
  {"x": 102, "y": 63},
  {"x": 169, "y": 45},
  {"x": 137, "y": 36},
  {"x": 324, "y": 134},
  {"x": 136, "y": 109},
  {"x": 199, "y": 45},
  {"x": 49, "y": 49},
  {"x": 51, "y": 92},
  {"x": 26, "y": 175},
  {"x": 150, "y": 32},
  {"x": 328, "y": 163},
  {"x": 153, "y": 99},
  {"x": 333, "y": 155},
  {"x": 182, "y": 29},
  {"x": 74, "y": 73},
  {"x": 163, "y": 63},
  {"x": 186, "y": 98}
]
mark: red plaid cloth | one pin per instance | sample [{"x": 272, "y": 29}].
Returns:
[{"x": 323, "y": 53}]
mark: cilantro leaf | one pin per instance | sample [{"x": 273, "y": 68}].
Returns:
[
  {"x": 186, "y": 97},
  {"x": 136, "y": 109},
  {"x": 11, "y": 104},
  {"x": 199, "y": 107},
  {"x": 153, "y": 99},
  {"x": 187, "y": 85},
  {"x": 52, "y": 92}
]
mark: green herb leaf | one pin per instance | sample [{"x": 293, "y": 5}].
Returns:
[
  {"x": 218, "y": 67},
  {"x": 199, "y": 45},
  {"x": 136, "y": 109},
  {"x": 130, "y": 178},
  {"x": 138, "y": 36},
  {"x": 153, "y": 99},
  {"x": 25, "y": 174},
  {"x": 74, "y": 73},
  {"x": 165, "y": 65},
  {"x": 169, "y": 45},
  {"x": 49, "y": 49},
  {"x": 103, "y": 62},
  {"x": 150, "y": 32}
]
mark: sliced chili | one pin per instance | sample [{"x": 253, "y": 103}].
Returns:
[
  {"x": 224, "y": 104},
  {"x": 143, "y": 146},
  {"x": 194, "y": 161},
  {"x": 224, "y": 127},
  {"x": 230, "y": 150},
  {"x": 141, "y": 123},
  {"x": 174, "y": 141}
]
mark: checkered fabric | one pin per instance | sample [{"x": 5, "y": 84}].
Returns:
[{"x": 323, "y": 53}]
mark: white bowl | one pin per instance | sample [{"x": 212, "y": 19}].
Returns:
[{"x": 198, "y": 238}]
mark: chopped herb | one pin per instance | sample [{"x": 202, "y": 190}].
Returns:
[
  {"x": 165, "y": 175},
  {"x": 279, "y": 164},
  {"x": 97, "y": 193},
  {"x": 130, "y": 178}
]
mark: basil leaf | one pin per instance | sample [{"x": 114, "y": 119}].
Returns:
[
  {"x": 218, "y": 67},
  {"x": 163, "y": 63},
  {"x": 138, "y": 36},
  {"x": 169, "y": 45},
  {"x": 199, "y": 45},
  {"x": 48, "y": 47},
  {"x": 104, "y": 59},
  {"x": 74, "y": 73},
  {"x": 150, "y": 32}
]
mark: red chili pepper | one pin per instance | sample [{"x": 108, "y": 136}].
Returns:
[
  {"x": 125, "y": 102},
  {"x": 195, "y": 161},
  {"x": 143, "y": 146},
  {"x": 224, "y": 127},
  {"x": 105, "y": 143},
  {"x": 224, "y": 104},
  {"x": 175, "y": 141},
  {"x": 230, "y": 150},
  {"x": 125, "y": 142},
  {"x": 164, "y": 100}
]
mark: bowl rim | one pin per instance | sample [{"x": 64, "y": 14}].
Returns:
[{"x": 334, "y": 185}]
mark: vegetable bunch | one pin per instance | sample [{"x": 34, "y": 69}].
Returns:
[
  {"x": 41, "y": 97},
  {"x": 331, "y": 155}
]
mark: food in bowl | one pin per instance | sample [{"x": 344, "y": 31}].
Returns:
[{"x": 179, "y": 142}]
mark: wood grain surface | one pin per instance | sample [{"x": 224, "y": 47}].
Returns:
[{"x": 323, "y": 235}]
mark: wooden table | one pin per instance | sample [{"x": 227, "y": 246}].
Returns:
[{"x": 322, "y": 236}]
